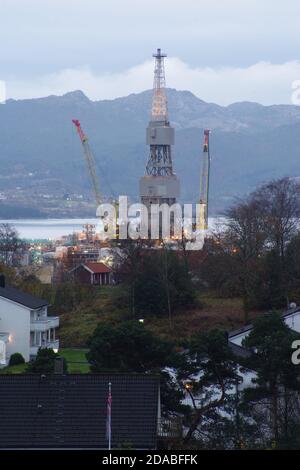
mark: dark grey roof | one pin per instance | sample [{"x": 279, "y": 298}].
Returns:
[
  {"x": 243, "y": 329},
  {"x": 22, "y": 298},
  {"x": 291, "y": 311},
  {"x": 240, "y": 351},
  {"x": 69, "y": 411}
]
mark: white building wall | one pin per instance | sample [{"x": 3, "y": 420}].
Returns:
[
  {"x": 15, "y": 319},
  {"x": 293, "y": 321},
  {"x": 239, "y": 338}
]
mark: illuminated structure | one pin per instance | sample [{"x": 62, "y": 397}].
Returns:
[{"x": 159, "y": 185}]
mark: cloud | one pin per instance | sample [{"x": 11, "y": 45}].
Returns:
[{"x": 262, "y": 82}]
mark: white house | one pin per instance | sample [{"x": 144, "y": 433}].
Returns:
[
  {"x": 3, "y": 342},
  {"x": 291, "y": 318},
  {"x": 24, "y": 324},
  {"x": 237, "y": 336}
]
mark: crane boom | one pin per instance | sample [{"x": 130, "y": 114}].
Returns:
[
  {"x": 89, "y": 160},
  {"x": 204, "y": 183}
]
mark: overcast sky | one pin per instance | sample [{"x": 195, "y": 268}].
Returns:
[{"x": 221, "y": 50}]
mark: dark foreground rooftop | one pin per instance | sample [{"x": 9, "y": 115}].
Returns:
[{"x": 69, "y": 411}]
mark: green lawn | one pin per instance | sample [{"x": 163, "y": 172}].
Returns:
[
  {"x": 77, "y": 363},
  {"x": 76, "y": 359},
  {"x": 19, "y": 369}
]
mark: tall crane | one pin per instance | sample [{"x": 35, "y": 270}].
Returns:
[
  {"x": 204, "y": 183},
  {"x": 92, "y": 171},
  {"x": 89, "y": 160}
]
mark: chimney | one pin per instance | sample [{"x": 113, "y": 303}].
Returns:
[
  {"x": 2, "y": 280},
  {"x": 59, "y": 365}
]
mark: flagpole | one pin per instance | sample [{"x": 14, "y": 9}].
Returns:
[{"x": 109, "y": 415}]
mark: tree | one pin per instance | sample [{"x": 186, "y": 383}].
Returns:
[
  {"x": 150, "y": 293},
  {"x": 279, "y": 205},
  {"x": 245, "y": 234},
  {"x": 251, "y": 257},
  {"x": 292, "y": 260},
  {"x": 163, "y": 285},
  {"x": 156, "y": 281},
  {"x": 10, "y": 245},
  {"x": 44, "y": 362},
  {"x": 219, "y": 270},
  {"x": 230, "y": 426},
  {"x": 208, "y": 372},
  {"x": 128, "y": 261},
  {"x": 130, "y": 347},
  {"x": 8, "y": 271},
  {"x": 276, "y": 383},
  {"x": 126, "y": 347},
  {"x": 68, "y": 295}
]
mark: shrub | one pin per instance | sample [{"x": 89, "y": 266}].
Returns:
[
  {"x": 44, "y": 362},
  {"x": 16, "y": 359}
]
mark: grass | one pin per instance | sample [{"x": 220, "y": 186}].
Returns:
[
  {"x": 225, "y": 314},
  {"x": 76, "y": 360},
  {"x": 77, "y": 363},
  {"x": 213, "y": 312},
  {"x": 19, "y": 369},
  {"x": 77, "y": 326},
  {"x": 108, "y": 305}
]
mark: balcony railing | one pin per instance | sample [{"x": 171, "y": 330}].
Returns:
[
  {"x": 44, "y": 324},
  {"x": 45, "y": 344},
  {"x": 170, "y": 427},
  {"x": 53, "y": 344}
]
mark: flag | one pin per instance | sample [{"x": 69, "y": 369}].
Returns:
[{"x": 108, "y": 417}]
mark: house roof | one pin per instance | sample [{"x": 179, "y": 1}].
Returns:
[
  {"x": 246, "y": 328},
  {"x": 69, "y": 411},
  {"x": 240, "y": 351},
  {"x": 22, "y": 298},
  {"x": 291, "y": 311},
  {"x": 97, "y": 268},
  {"x": 239, "y": 331}
]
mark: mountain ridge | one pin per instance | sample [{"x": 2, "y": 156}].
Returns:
[{"x": 250, "y": 143}]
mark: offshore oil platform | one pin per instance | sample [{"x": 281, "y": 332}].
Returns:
[{"x": 159, "y": 185}]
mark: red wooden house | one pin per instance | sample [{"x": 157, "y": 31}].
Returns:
[{"x": 97, "y": 274}]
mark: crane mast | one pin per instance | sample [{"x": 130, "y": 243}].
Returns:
[
  {"x": 89, "y": 160},
  {"x": 92, "y": 171},
  {"x": 204, "y": 183}
]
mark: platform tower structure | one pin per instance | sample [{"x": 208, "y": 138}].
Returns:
[{"x": 160, "y": 184}]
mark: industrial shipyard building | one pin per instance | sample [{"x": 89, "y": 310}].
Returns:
[{"x": 159, "y": 185}]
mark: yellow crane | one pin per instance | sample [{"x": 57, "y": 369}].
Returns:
[{"x": 92, "y": 169}]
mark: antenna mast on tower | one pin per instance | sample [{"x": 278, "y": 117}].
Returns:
[
  {"x": 159, "y": 101},
  {"x": 160, "y": 136}
]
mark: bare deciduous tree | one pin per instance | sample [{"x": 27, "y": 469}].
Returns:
[
  {"x": 245, "y": 237},
  {"x": 10, "y": 244},
  {"x": 279, "y": 206}
]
